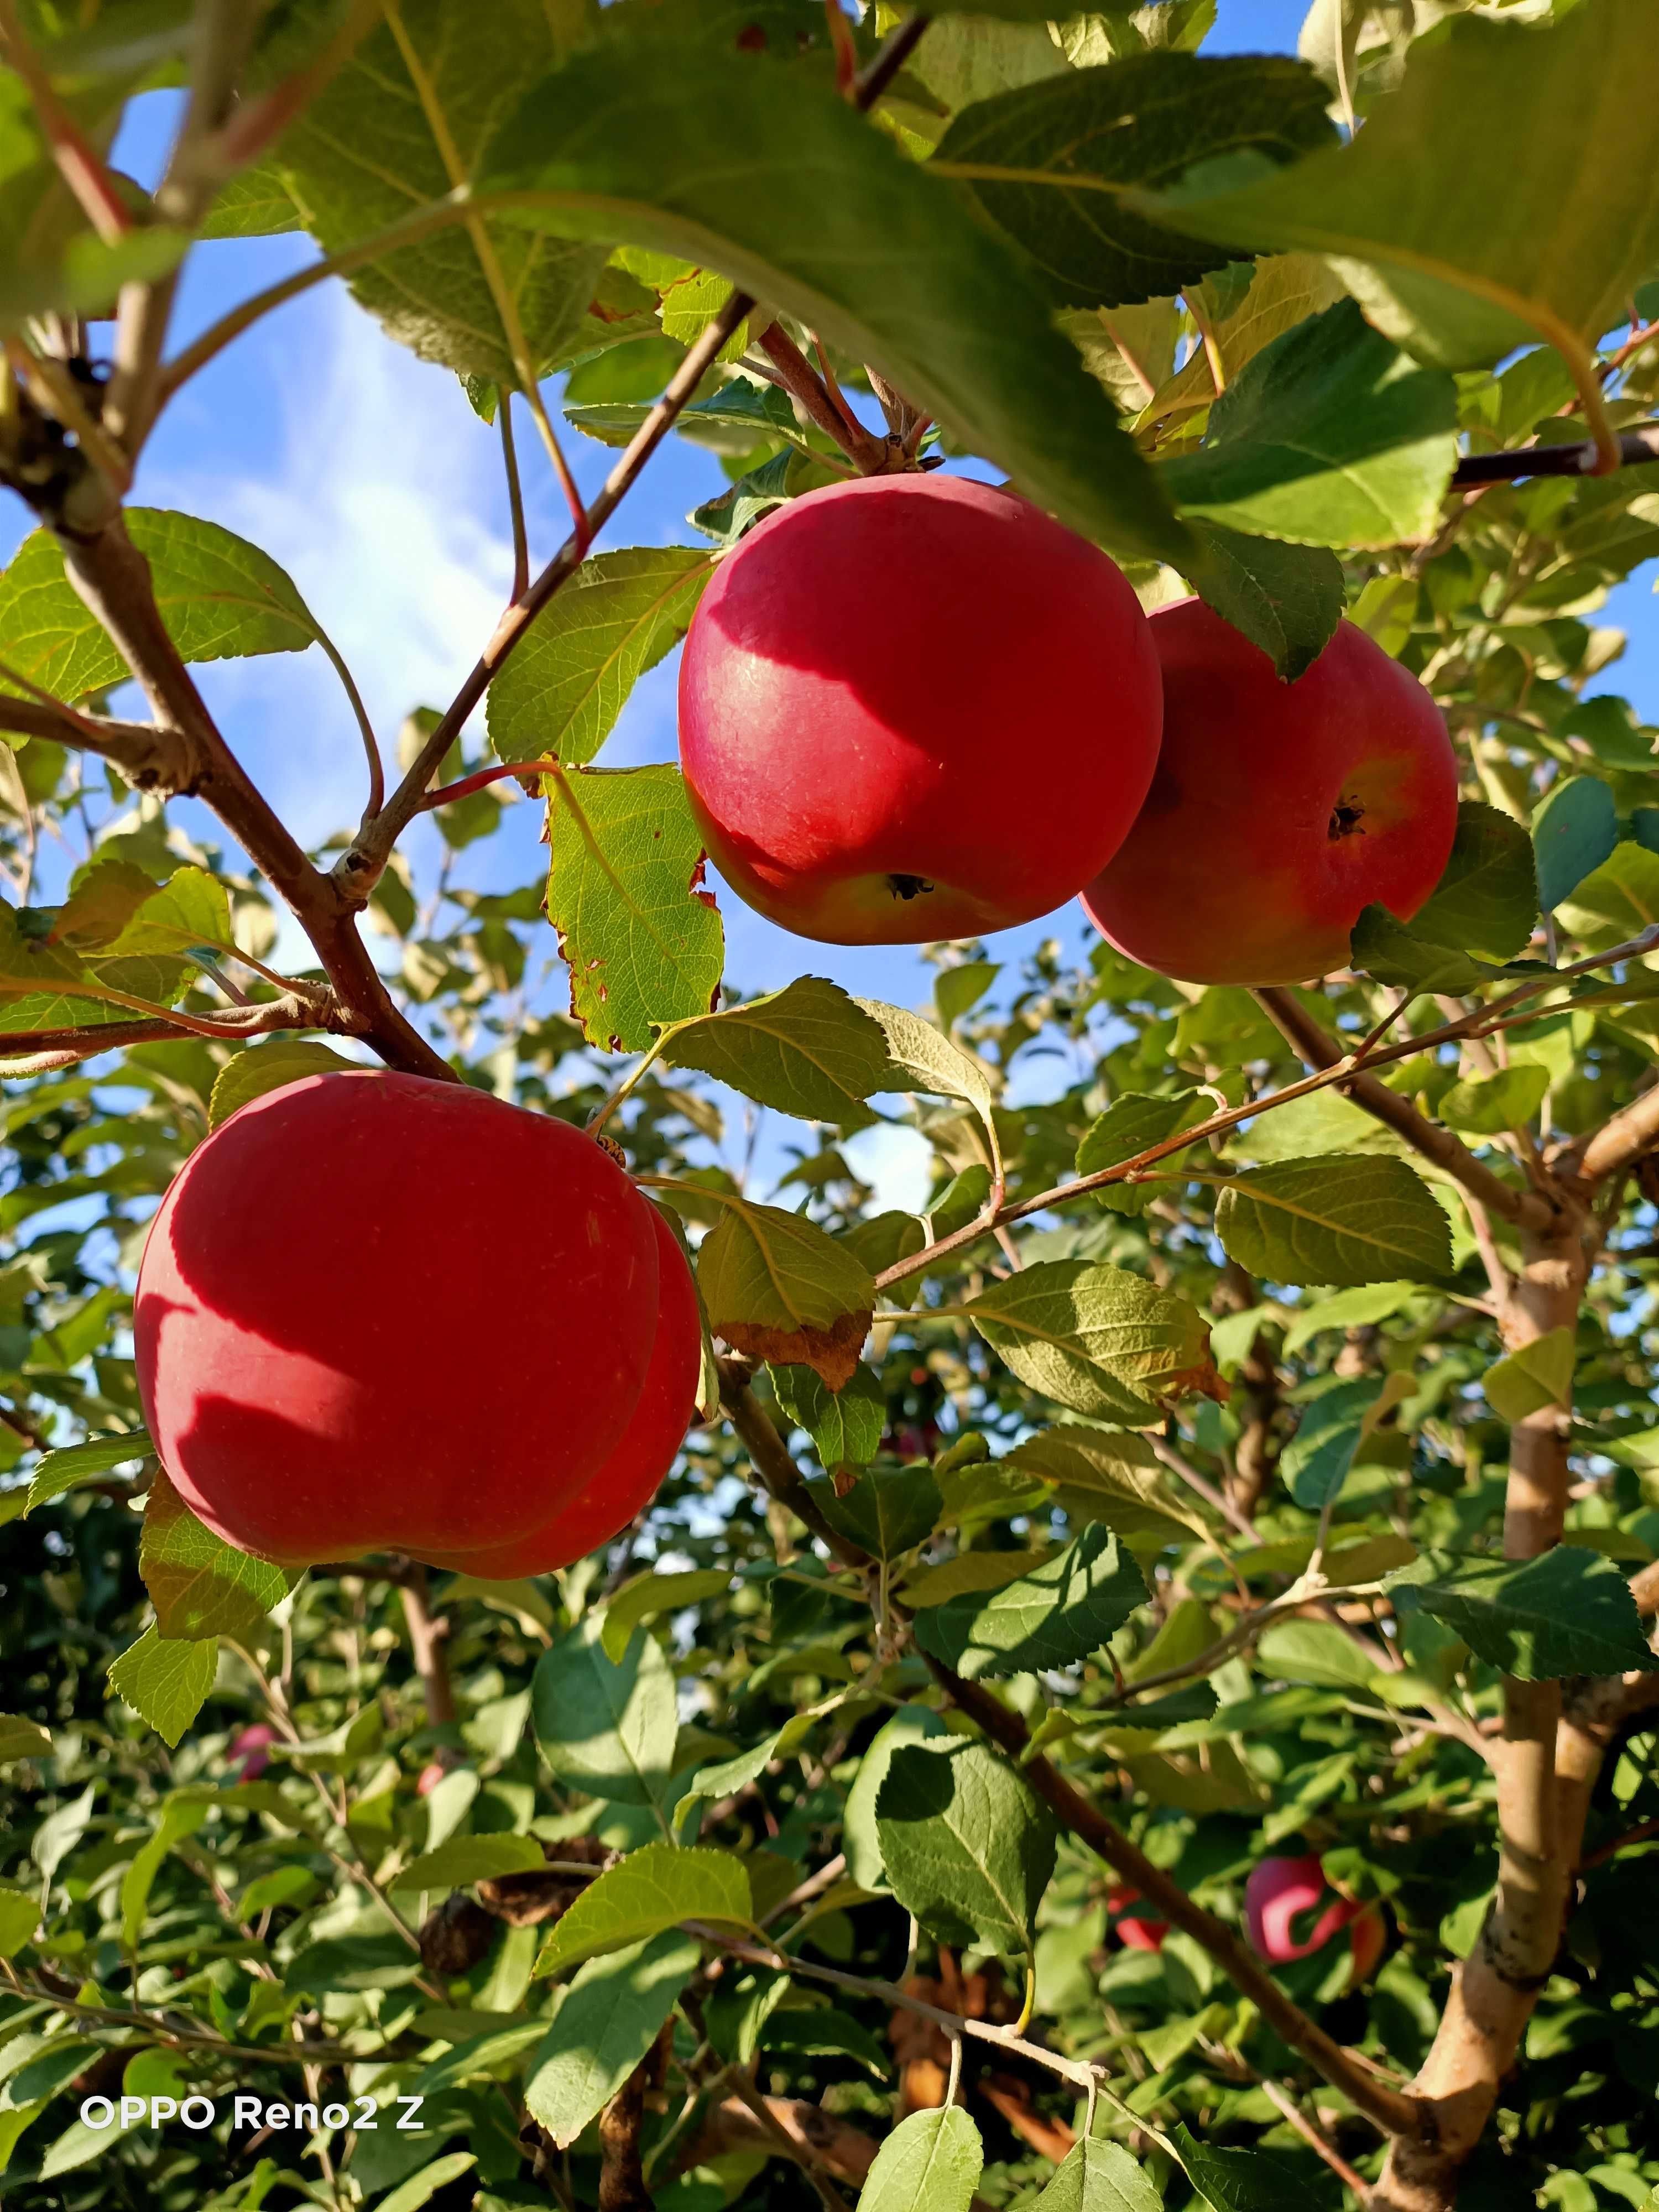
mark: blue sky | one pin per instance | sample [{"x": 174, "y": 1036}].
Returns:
[{"x": 365, "y": 473}]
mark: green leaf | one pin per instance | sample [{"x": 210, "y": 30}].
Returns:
[
  {"x": 1481, "y": 1105},
  {"x": 846, "y": 1425},
  {"x": 1356, "y": 1309},
  {"x": 22, "y": 1739},
  {"x": 1097, "y": 1339},
  {"x": 1048, "y": 162},
  {"x": 652, "y": 1889},
  {"x": 728, "y": 1776},
  {"x": 776, "y": 1287},
  {"x": 889, "y": 1510},
  {"x": 881, "y": 1241},
  {"x": 1329, "y": 436},
  {"x": 181, "y": 1816},
  {"x": 1344, "y": 1218},
  {"x": 1312, "y": 1651},
  {"x": 732, "y": 514},
  {"x": 1098, "y": 2177},
  {"x": 1455, "y": 247},
  {"x": 421, "y": 2188},
  {"x": 931, "y": 2162},
  {"x": 1054, "y": 1616},
  {"x": 1568, "y": 1612},
  {"x": 1487, "y": 901},
  {"x": 253, "y": 203},
  {"x": 1284, "y": 290},
  {"x": 1286, "y": 599},
  {"x": 221, "y": 598},
  {"x": 825, "y": 2033},
  {"x": 199, "y": 1585},
  {"x": 166, "y": 1682},
  {"x": 962, "y": 1200},
  {"x": 923, "y": 1058},
  {"x": 642, "y": 938},
  {"x": 1103, "y": 1475},
  {"x": 559, "y": 697},
  {"x": 651, "y": 1594},
  {"x": 58, "y": 1471},
  {"x": 772, "y": 179},
  {"x": 1133, "y": 1123},
  {"x": 808, "y": 1050},
  {"x": 968, "y": 1847},
  {"x": 466, "y": 1859},
  {"x": 957, "y": 991},
  {"x": 1536, "y": 1375},
  {"x": 61, "y": 1830},
  {"x": 272, "y": 1066},
  {"x": 1575, "y": 827},
  {"x": 611, "y": 2015},
  {"x": 20, "y": 1916},
  {"x": 910, "y": 1724},
  {"x": 607, "y": 1726},
  {"x": 1620, "y": 900},
  {"x": 403, "y": 124},
  {"x": 1387, "y": 951},
  {"x": 1243, "y": 2180}
]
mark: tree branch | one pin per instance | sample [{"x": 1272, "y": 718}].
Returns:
[
  {"x": 1580, "y": 458},
  {"x": 1449, "y": 1154},
  {"x": 1335, "y": 1074},
  {"x": 113, "y": 579},
  {"x": 880, "y": 70},
  {"x": 428, "y": 1637},
  {"x": 807, "y": 387},
  {"x": 1621, "y": 1140},
  {"x": 769, "y": 1456},
  {"x": 70, "y": 1045},
  {"x": 150, "y": 758},
  {"x": 80, "y": 168}
]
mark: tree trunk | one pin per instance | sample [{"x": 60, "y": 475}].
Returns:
[{"x": 1544, "y": 1765}]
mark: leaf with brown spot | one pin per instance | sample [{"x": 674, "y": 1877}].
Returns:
[{"x": 778, "y": 1288}]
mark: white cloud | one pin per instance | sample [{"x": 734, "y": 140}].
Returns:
[{"x": 377, "y": 500}]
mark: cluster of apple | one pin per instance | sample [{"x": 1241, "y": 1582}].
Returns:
[
  {"x": 916, "y": 707},
  {"x": 1291, "y": 1912},
  {"x": 910, "y": 707}
]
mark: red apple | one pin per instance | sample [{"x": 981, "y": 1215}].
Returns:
[
  {"x": 378, "y": 1312},
  {"x": 914, "y": 706},
  {"x": 635, "y": 1468},
  {"x": 249, "y": 1750},
  {"x": 1280, "y": 1895},
  {"x": 1278, "y": 811},
  {"x": 428, "y": 1779},
  {"x": 1136, "y": 1930}
]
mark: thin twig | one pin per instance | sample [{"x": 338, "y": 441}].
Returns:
[
  {"x": 82, "y": 169},
  {"x": 358, "y": 867},
  {"x": 1315, "y": 2142},
  {"x": 514, "y": 501}
]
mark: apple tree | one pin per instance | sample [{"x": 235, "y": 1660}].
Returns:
[{"x": 1137, "y": 1690}]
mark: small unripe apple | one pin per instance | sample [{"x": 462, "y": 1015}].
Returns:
[
  {"x": 1280, "y": 1895},
  {"x": 1136, "y": 1930},
  {"x": 378, "y": 1313},
  {"x": 631, "y": 1476},
  {"x": 914, "y": 706},
  {"x": 1278, "y": 811}
]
